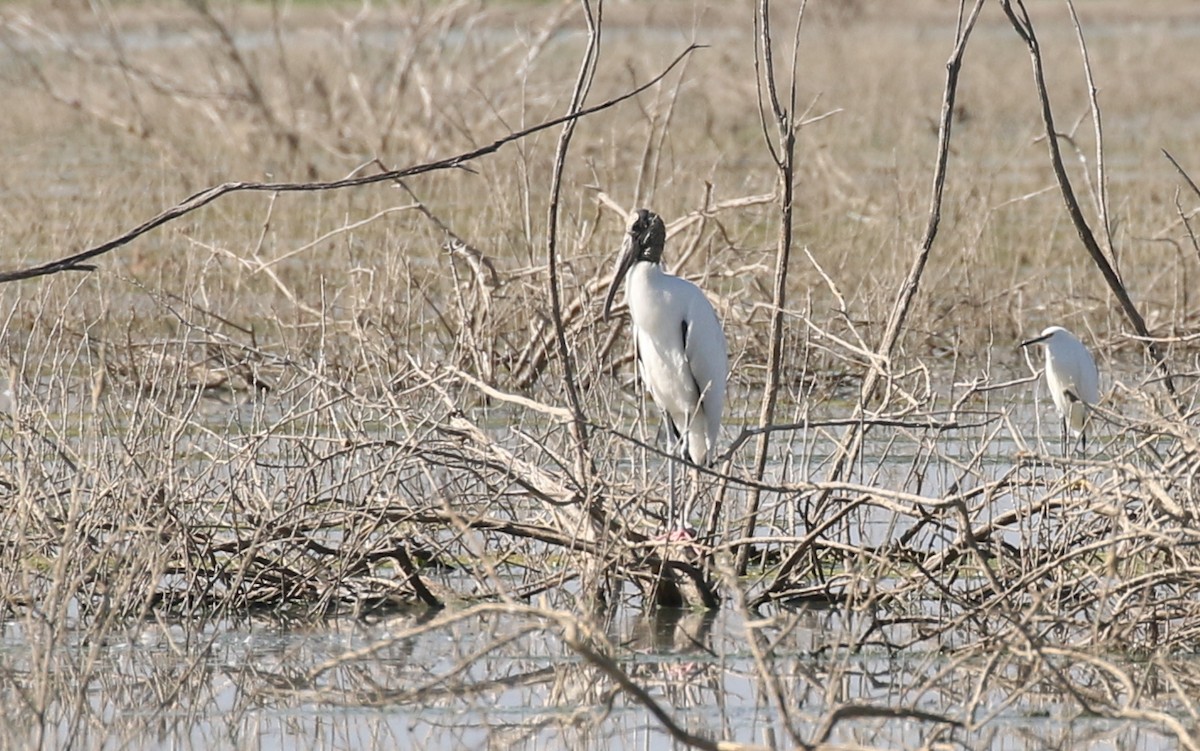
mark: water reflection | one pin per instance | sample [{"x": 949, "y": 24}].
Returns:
[{"x": 506, "y": 680}]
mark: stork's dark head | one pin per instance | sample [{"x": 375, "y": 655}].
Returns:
[
  {"x": 647, "y": 234},
  {"x": 643, "y": 242}
]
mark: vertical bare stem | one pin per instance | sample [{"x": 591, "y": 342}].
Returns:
[
  {"x": 254, "y": 92},
  {"x": 782, "y": 153},
  {"x": 1024, "y": 28},
  {"x": 587, "y": 72},
  {"x": 1098, "y": 125},
  {"x": 851, "y": 442}
]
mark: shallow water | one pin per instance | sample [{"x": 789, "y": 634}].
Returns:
[
  {"x": 498, "y": 680},
  {"x": 239, "y": 685}
]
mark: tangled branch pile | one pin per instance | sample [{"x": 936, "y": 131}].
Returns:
[{"x": 306, "y": 402}]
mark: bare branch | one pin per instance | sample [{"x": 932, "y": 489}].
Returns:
[
  {"x": 1024, "y": 27},
  {"x": 77, "y": 261}
]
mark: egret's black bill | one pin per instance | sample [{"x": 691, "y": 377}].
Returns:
[{"x": 1036, "y": 340}]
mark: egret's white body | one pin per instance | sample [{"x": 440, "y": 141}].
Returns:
[
  {"x": 1071, "y": 375},
  {"x": 681, "y": 346}
]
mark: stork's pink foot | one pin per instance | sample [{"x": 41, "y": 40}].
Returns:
[{"x": 679, "y": 534}]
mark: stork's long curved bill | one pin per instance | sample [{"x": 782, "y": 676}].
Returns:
[{"x": 624, "y": 261}]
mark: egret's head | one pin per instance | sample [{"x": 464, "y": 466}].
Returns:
[
  {"x": 643, "y": 242},
  {"x": 1048, "y": 334}
]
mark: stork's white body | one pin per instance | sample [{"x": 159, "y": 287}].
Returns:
[
  {"x": 1071, "y": 376},
  {"x": 680, "y": 345},
  {"x": 682, "y": 354}
]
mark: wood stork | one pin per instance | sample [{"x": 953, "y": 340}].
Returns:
[
  {"x": 1071, "y": 376},
  {"x": 681, "y": 348}
]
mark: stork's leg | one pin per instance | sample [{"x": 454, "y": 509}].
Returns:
[
  {"x": 689, "y": 494},
  {"x": 677, "y": 526},
  {"x": 677, "y": 448},
  {"x": 674, "y": 440},
  {"x": 672, "y": 444}
]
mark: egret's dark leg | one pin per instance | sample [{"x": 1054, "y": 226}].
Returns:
[
  {"x": 1083, "y": 429},
  {"x": 1063, "y": 443}
]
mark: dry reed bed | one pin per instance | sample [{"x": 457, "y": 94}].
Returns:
[{"x": 329, "y": 403}]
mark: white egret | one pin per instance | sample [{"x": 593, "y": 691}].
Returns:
[
  {"x": 1071, "y": 376},
  {"x": 680, "y": 344}
]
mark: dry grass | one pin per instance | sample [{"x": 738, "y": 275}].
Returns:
[{"x": 350, "y": 402}]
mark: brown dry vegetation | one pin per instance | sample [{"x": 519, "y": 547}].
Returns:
[{"x": 318, "y": 403}]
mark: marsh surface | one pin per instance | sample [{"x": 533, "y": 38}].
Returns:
[{"x": 316, "y": 468}]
